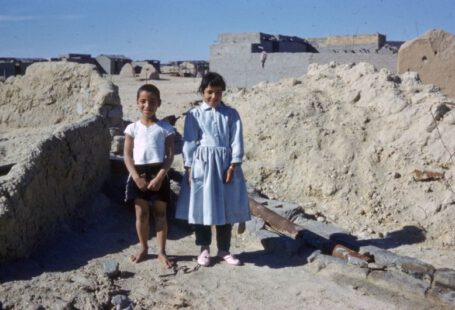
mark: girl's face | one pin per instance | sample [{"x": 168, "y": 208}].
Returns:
[
  {"x": 147, "y": 104},
  {"x": 212, "y": 95}
]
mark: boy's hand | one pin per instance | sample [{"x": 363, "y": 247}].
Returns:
[
  {"x": 141, "y": 183},
  {"x": 155, "y": 184}
]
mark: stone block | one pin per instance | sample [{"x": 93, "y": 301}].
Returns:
[
  {"x": 254, "y": 225},
  {"x": 409, "y": 265},
  {"x": 117, "y": 145},
  {"x": 317, "y": 256},
  {"x": 442, "y": 296},
  {"x": 281, "y": 245},
  {"x": 416, "y": 268},
  {"x": 399, "y": 282},
  {"x": 381, "y": 256},
  {"x": 444, "y": 278},
  {"x": 336, "y": 267}
]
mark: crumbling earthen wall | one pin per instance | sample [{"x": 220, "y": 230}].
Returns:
[
  {"x": 47, "y": 185},
  {"x": 432, "y": 56},
  {"x": 69, "y": 109}
]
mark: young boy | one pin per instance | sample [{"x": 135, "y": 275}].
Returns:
[{"x": 148, "y": 155}]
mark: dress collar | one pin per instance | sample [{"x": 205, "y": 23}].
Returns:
[{"x": 205, "y": 106}]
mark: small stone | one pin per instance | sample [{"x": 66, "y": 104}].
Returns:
[
  {"x": 357, "y": 261},
  {"x": 374, "y": 266},
  {"x": 120, "y": 300},
  {"x": 111, "y": 269}
]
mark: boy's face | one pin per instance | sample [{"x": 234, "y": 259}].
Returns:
[
  {"x": 147, "y": 103},
  {"x": 212, "y": 95}
]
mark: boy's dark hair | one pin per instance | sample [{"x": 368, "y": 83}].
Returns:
[
  {"x": 212, "y": 79},
  {"x": 149, "y": 88}
]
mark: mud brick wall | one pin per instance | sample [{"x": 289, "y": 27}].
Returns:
[{"x": 47, "y": 187}]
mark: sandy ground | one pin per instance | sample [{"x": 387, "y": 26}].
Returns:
[{"x": 68, "y": 271}]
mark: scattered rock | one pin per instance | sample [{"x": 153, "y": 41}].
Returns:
[{"x": 111, "y": 269}]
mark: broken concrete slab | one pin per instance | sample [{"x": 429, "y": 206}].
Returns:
[
  {"x": 444, "y": 277},
  {"x": 399, "y": 282},
  {"x": 442, "y": 296}
]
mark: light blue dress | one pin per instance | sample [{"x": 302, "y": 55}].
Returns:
[{"x": 213, "y": 139}]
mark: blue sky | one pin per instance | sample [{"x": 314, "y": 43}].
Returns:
[{"x": 183, "y": 29}]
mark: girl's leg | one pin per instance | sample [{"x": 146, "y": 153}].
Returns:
[
  {"x": 203, "y": 238},
  {"x": 223, "y": 241},
  {"x": 223, "y": 237},
  {"x": 142, "y": 228},
  {"x": 159, "y": 212},
  {"x": 203, "y": 235}
]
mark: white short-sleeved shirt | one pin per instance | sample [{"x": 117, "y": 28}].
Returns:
[{"x": 149, "y": 141}]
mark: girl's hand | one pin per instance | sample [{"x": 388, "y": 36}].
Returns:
[
  {"x": 229, "y": 173},
  {"x": 188, "y": 171},
  {"x": 155, "y": 184},
  {"x": 141, "y": 183}
]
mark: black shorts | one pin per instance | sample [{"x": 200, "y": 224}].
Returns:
[{"x": 149, "y": 171}]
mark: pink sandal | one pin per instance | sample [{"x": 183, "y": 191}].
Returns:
[
  {"x": 229, "y": 258},
  {"x": 204, "y": 258}
]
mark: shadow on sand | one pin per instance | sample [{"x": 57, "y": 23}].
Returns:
[
  {"x": 107, "y": 226},
  {"x": 296, "y": 252},
  {"x": 403, "y": 236}
]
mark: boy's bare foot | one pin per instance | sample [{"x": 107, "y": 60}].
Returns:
[
  {"x": 165, "y": 261},
  {"x": 139, "y": 256}
]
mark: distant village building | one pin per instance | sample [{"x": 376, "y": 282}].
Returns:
[
  {"x": 138, "y": 64},
  {"x": 201, "y": 67},
  {"x": 148, "y": 72},
  {"x": 171, "y": 68},
  {"x": 237, "y": 56},
  {"x": 187, "y": 68},
  {"x": 127, "y": 71},
  {"x": 78, "y": 58},
  {"x": 111, "y": 64},
  {"x": 10, "y": 66}
]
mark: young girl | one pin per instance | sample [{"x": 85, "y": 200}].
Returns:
[
  {"x": 215, "y": 193},
  {"x": 148, "y": 154}
]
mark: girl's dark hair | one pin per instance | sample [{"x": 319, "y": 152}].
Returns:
[
  {"x": 212, "y": 79},
  {"x": 149, "y": 88}
]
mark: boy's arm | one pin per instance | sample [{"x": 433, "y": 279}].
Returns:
[
  {"x": 155, "y": 183},
  {"x": 169, "y": 155},
  {"x": 129, "y": 162}
]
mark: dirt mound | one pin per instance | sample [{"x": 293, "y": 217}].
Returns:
[
  {"x": 355, "y": 144},
  {"x": 54, "y": 92}
]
